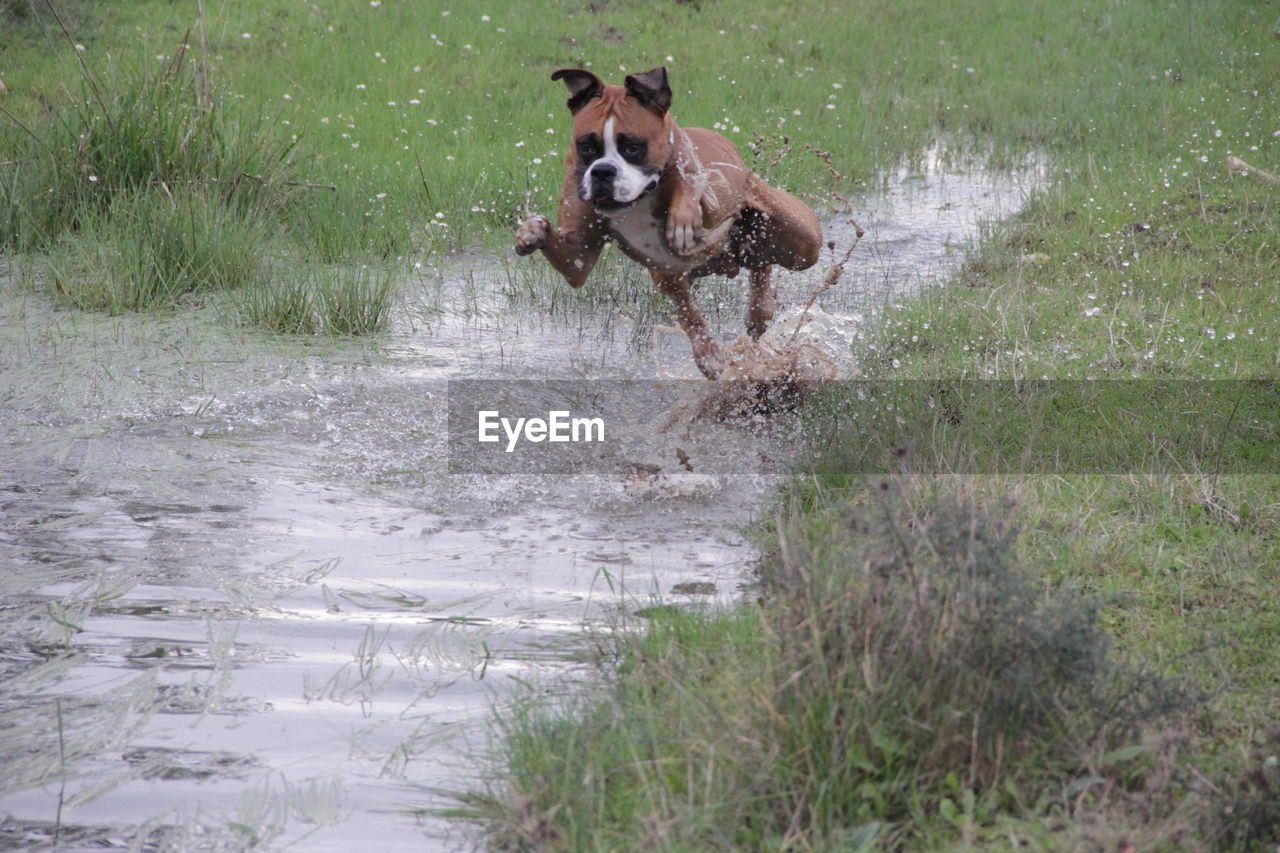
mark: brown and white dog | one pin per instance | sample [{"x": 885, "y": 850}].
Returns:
[{"x": 680, "y": 201}]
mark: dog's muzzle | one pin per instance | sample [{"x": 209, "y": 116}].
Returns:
[
  {"x": 604, "y": 180},
  {"x": 603, "y": 176}
]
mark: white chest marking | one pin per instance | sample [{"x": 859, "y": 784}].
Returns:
[{"x": 643, "y": 231}]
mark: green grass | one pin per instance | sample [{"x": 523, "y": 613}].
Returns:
[
  {"x": 413, "y": 112},
  {"x": 136, "y": 132},
  {"x": 351, "y": 299},
  {"x": 1147, "y": 273},
  {"x": 439, "y": 128},
  {"x": 933, "y": 663},
  {"x": 148, "y": 185},
  {"x": 149, "y": 249},
  {"x": 1027, "y": 427}
]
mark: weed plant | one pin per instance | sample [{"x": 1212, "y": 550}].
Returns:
[
  {"x": 285, "y": 305},
  {"x": 936, "y": 667},
  {"x": 355, "y": 300}
]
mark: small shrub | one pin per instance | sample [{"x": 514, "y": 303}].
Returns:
[
  {"x": 922, "y": 659},
  {"x": 1249, "y": 805}
]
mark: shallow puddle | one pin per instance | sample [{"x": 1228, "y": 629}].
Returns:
[{"x": 245, "y": 600}]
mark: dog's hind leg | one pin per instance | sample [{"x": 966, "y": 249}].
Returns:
[
  {"x": 706, "y": 352},
  {"x": 760, "y": 301},
  {"x": 781, "y": 229}
]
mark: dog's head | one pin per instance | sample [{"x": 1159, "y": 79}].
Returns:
[{"x": 622, "y": 136}]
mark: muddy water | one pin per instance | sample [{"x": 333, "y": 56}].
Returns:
[{"x": 242, "y": 597}]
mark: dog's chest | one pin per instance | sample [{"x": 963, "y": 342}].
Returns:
[{"x": 641, "y": 233}]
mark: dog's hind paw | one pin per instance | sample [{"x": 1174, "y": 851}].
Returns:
[{"x": 532, "y": 235}]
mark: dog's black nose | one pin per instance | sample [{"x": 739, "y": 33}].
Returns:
[{"x": 604, "y": 172}]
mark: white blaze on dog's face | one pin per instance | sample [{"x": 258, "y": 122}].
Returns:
[{"x": 622, "y": 137}]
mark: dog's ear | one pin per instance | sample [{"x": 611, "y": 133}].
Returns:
[
  {"x": 583, "y": 86},
  {"x": 650, "y": 89}
]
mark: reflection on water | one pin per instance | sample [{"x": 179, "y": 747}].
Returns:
[{"x": 244, "y": 601}]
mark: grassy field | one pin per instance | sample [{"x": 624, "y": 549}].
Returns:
[
  {"x": 438, "y": 126},
  {"x": 1077, "y": 660}
]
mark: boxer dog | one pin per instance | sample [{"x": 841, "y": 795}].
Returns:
[{"x": 677, "y": 200}]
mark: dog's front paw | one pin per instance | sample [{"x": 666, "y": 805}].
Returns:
[
  {"x": 684, "y": 231},
  {"x": 532, "y": 235}
]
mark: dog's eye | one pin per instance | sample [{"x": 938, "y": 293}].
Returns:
[
  {"x": 631, "y": 149},
  {"x": 588, "y": 148}
]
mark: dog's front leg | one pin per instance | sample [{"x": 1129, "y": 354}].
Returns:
[
  {"x": 706, "y": 352},
  {"x": 687, "y": 228},
  {"x": 572, "y": 254},
  {"x": 684, "y": 220}
]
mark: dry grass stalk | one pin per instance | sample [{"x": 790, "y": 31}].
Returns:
[
  {"x": 1235, "y": 164},
  {"x": 829, "y": 280}
]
